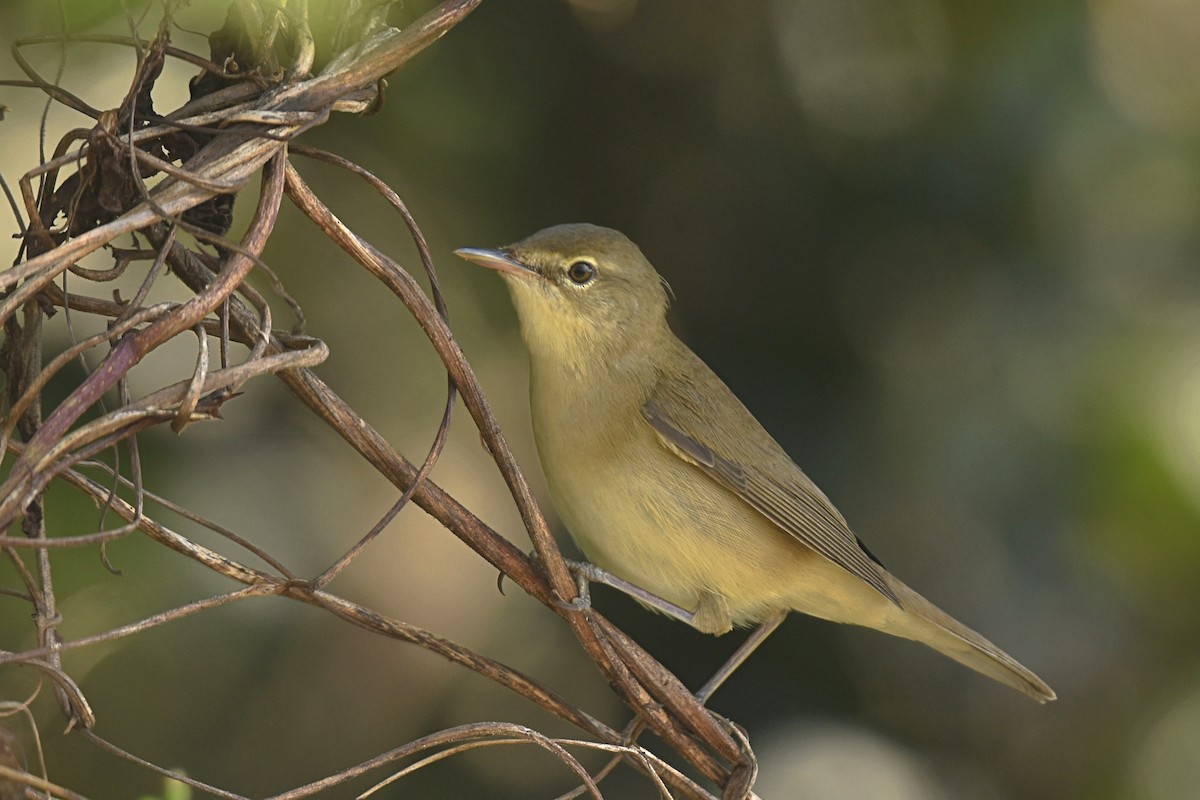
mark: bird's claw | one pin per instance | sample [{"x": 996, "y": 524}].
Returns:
[
  {"x": 581, "y": 572},
  {"x": 580, "y": 603}
]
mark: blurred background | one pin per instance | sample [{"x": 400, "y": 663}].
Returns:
[{"x": 946, "y": 251}]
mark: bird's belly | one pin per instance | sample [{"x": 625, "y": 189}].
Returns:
[{"x": 666, "y": 527}]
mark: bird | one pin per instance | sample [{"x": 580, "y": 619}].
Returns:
[{"x": 665, "y": 480}]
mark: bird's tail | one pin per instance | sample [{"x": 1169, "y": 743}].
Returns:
[{"x": 921, "y": 620}]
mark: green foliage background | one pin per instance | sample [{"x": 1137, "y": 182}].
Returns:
[{"x": 946, "y": 251}]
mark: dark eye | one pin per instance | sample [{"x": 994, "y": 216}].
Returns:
[{"x": 581, "y": 272}]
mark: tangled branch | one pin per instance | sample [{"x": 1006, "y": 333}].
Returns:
[{"x": 170, "y": 182}]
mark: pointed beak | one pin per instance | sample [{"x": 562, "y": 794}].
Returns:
[{"x": 495, "y": 259}]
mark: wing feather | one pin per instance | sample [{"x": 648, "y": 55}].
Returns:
[{"x": 796, "y": 506}]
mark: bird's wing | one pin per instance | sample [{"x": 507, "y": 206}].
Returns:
[{"x": 795, "y": 504}]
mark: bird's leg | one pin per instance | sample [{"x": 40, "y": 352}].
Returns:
[
  {"x": 586, "y": 573},
  {"x": 759, "y": 635},
  {"x": 747, "y": 647}
]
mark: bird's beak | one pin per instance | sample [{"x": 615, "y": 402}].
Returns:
[{"x": 494, "y": 259}]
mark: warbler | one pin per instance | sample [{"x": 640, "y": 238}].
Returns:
[{"x": 666, "y": 480}]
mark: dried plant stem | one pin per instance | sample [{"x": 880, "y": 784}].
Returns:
[
  {"x": 255, "y": 96},
  {"x": 615, "y": 665},
  {"x": 22, "y": 778}
]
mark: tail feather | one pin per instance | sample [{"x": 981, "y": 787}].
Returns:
[{"x": 924, "y": 622}]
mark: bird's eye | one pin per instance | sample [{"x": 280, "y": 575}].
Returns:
[{"x": 581, "y": 272}]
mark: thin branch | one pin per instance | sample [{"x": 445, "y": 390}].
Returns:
[
  {"x": 105, "y": 744},
  {"x": 132, "y": 348},
  {"x": 81, "y": 711},
  {"x": 440, "y": 739},
  {"x": 524, "y": 736},
  {"x": 153, "y": 621},
  {"x": 259, "y": 583},
  {"x": 21, "y": 777},
  {"x": 676, "y": 696}
]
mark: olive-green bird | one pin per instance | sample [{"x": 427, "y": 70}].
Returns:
[{"x": 666, "y": 480}]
